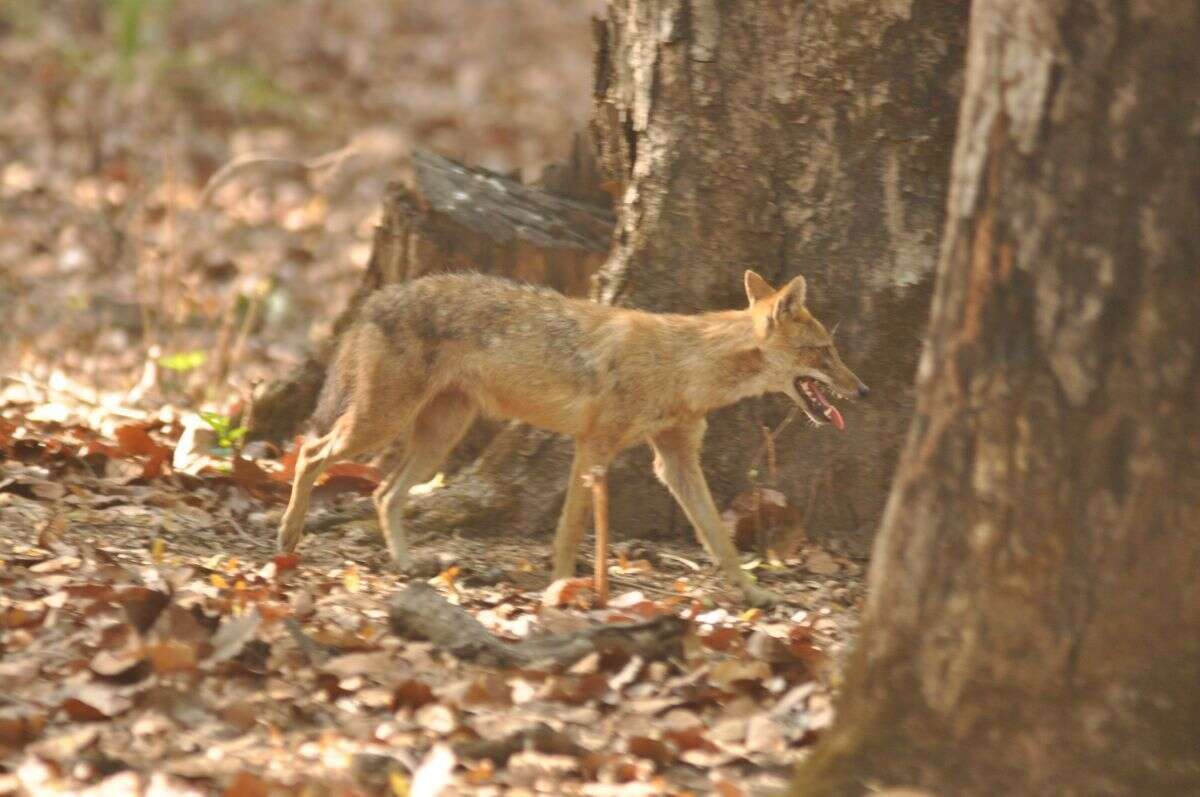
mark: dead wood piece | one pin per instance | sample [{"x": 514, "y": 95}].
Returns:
[
  {"x": 660, "y": 638},
  {"x": 504, "y": 210},
  {"x": 421, "y": 611}
]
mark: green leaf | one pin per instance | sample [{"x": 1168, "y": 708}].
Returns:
[
  {"x": 183, "y": 361},
  {"x": 228, "y": 436}
]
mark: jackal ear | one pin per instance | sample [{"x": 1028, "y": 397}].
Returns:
[
  {"x": 757, "y": 288},
  {"x": 791, "y": 298}
]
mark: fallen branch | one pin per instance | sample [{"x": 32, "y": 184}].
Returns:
[
  {"x": 291, "y": 167},
  {"x": 421, "y": 611}
]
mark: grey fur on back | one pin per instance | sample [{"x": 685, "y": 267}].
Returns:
[{"x": 460, "y": 306}]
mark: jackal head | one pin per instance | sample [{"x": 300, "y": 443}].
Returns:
[{"x": 801, "y": 358}]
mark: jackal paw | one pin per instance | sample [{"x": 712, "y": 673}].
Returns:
[{"x": 761, "y": 597}]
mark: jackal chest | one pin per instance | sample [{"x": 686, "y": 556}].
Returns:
[{"x": 630, "y": 423}]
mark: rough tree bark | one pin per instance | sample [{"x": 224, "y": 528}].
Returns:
[
  {"x": 1033, "y": 624},
  {"x": 790, "y": 137}
]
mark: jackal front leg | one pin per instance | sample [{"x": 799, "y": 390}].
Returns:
[
  {"x": 677, "y": 464},
  {"x": 572, "y": 523}
]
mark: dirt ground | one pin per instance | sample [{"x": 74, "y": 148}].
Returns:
[{"x": 151, "y": 639}]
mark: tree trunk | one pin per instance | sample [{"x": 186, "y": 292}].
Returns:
[
  {"x": 1034, "y": 619},
  {"x": 790, "y": 138}
]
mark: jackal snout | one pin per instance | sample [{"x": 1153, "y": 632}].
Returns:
[
  {"x": 830, "y": 369},
  {"x": 800, "y": 350}
]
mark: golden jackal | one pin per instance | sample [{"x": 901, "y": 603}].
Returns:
[{"x": 428, "y": 355}]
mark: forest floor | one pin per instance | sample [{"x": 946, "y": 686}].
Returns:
[
  {"x": 151, "y": 640},
  {"x": 144, "y": 643}
]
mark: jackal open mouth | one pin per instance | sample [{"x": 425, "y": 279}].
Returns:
[{"x": 816, "y": 405}]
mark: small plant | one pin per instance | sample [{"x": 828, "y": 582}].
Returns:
[
  {"x": 182, "y": 362},
  {"x": 128, "y": 21},
  {"x": 228, "y": 436}
]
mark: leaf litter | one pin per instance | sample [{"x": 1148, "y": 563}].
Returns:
[{"x": 157, "y": 638}]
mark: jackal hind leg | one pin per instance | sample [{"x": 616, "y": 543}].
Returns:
[
  {"x": 677, "y": 464},
  {"x": 343, "y": 441},
  {"x": 439, "y": 426}
]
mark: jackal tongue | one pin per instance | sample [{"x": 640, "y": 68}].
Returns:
[{"x": 830, "y": 412}]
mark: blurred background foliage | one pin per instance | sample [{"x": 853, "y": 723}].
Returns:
[{"x": 119, "y": 113}]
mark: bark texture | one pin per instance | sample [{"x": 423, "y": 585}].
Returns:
[
  {"x": 789, "y": 137},
  {"x": 1034, "y": 619}
]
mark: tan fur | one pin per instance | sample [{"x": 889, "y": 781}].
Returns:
[{"x": 428, "y": 356}]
